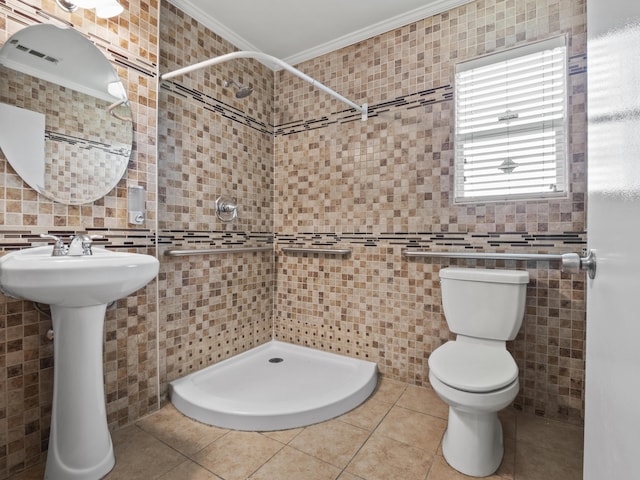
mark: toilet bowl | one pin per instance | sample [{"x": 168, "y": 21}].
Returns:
[{"x": 475, "y": 374}]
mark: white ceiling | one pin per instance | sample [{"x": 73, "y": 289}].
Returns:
[{"x": 297, "y": 30}]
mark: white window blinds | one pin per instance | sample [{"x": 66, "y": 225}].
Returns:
[{"x": 510, "y": 138}]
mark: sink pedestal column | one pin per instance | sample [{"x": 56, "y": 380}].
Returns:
[{"x": 79, "y": 443}]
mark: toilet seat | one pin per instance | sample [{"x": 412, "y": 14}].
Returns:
[{"x": 473, "y": 367}]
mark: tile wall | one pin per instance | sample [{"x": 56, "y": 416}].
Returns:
[
  {"x": 386, "y": 184},
  {"x": 212, "y": 144},
  {"x": 131, "y": 327}
]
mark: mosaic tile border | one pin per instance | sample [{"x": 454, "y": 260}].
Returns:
[
  {"x": 124, "y": 238},
  {"x": 214, "y": 238},
  {"x": 11, "y": 240},
  {"x": 578, "y": 64},
  {"x": 138, "y": 238},
  {"x": 407, "y": 102},
  {"x": 438, "y": 241},
  {"x": 217, "y": 106}
]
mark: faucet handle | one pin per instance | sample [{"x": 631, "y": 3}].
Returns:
[
  {"x": 59, "y": 250},
  {"x": 87, "y": 241},
  {"x": 86, "y": 245}
]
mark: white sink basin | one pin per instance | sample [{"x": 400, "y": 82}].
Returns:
[
  {"x": 78, "y": 289},
  {"x": 74, "y": 281}
]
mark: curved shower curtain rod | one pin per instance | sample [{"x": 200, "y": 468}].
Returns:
[{"x": 363, "y": 109}]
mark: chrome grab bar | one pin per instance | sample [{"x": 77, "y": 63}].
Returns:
[
  {"x": 570, "y": 262},
  {"x": 325, "y": 251},
  {"x": 214, "y": 251}
]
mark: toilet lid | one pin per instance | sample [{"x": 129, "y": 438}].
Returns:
[{"x": 473, "y": 367}]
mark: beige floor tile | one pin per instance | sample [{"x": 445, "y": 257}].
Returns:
[
  {"x": 402, "y": 446},
  {"x": 284, "y": 436},
  {"x": 349, "y": 476},
  {"x": 140, "y": 456},
  {"x": 180, "y": 432},
  {"x": 334, "y": 441},
  {"x": 508, "y": 465},
  {"x": 291, "y": 464},
  {"x": 441, "y": 470},
  {"x": 383, "y": 458},
  {"x": 413, "y": 428},
  {"x": 536, "y": 462},
  {"x": 368, "y": 415},
  {"x": 189, "y": 470},
  {"x": 236, "y": 455},
  {"x": 389, "y": 390},
  {"x": 424, "y": 400},
  {"x": 551, "y": 434}
]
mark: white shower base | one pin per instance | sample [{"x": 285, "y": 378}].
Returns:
[{"x": 250, "y": 392}]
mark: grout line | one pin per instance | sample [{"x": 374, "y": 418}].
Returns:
[{"x": 374, "y": 428}]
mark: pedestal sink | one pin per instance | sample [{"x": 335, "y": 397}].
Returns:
[{"x": 78, "y": 289}]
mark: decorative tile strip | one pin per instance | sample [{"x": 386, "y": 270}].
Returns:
[
  {"x": 216, "y": 105},
  {"x": 578, "y": 64},
  {"x": 113, "y": 238},
  {"x": 204, "y": 239},
  {"x": 144, "y": 238},
  {"x": 438, "y": 241},
  {"x": 414, "y": 100}
]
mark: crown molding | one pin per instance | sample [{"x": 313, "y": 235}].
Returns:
[
  {"x": 214, "y": 25},
  {"x": 420, "y": 13},
  {"x": 433, "y": 8}
]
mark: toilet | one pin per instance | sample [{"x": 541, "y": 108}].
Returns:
[{"x": 475, "y": 374}]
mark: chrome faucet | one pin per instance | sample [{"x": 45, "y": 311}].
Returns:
[{"x": 80, "y": 245}]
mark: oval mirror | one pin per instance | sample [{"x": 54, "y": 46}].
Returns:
[{"x": 65, "y": 121}]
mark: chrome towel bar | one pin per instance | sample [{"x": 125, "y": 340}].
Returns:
[
  {"x": 325, "y": 251},
  {"x": 570, "y": 262},
  {"x": 215, "y": 251}
]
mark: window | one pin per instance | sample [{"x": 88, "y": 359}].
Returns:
[{"x": 510, "y": 128}]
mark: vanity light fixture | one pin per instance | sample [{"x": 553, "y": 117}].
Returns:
[{"x": 104, "y": 8}]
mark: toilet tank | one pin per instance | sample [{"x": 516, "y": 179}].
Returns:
[{"x": 484, "y": 303}]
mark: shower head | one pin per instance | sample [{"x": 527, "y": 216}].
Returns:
[{"x": 242, "y": 91}]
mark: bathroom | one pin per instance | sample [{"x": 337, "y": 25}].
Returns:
[{"x": 303, "y": 173}]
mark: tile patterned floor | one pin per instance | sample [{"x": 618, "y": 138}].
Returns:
[{"x": 395, "y": 435}]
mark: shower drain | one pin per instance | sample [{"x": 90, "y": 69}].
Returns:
[{"x": 276, "y": 360}]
